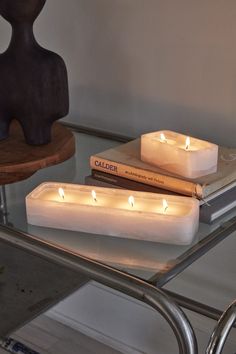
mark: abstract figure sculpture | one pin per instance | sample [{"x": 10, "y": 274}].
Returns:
[{"x": 33, "y": 80}]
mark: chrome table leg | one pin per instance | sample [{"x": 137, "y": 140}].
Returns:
[
  {"x": 3, "y": 205},
  {"x": 112, "y": 278},
  {"x": 222, "y": 330}
]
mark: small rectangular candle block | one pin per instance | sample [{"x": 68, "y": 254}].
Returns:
[
  {"x": 185, "y": 156},
  {"x": 114, "y": 212}
]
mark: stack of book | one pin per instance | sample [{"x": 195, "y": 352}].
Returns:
[{"x": 122, "y": 167}]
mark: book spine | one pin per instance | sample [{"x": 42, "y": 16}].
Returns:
[
  {"x": 147, "y": 177},
  {"x": 122, "y": 182}
]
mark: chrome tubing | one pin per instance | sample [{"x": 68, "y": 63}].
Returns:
[
  {"x": 3, "y": 205},
  {"x": 99, "y": 133},
  {"x": 112, "y": 278},
  {"x": 222, "y": 330},
  {"x": 195, "y": 306}
]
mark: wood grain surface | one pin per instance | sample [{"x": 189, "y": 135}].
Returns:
[{"x": 19, "y": 160}]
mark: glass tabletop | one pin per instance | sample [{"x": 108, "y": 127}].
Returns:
[{"x": 143, "y": 259}]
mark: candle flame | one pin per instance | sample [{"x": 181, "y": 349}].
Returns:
[
  {"x": 187, "y": 144},
  {"x": 61, "y": 193},
  {"x": 131, "y": 201},
  {"x": 165, "y": 205},
  {"x": 94, "y": 195},
  {"x": 163, "y": 138}
]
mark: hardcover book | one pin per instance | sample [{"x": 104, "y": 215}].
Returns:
[
  {"x": 125, "y": 183},
  {"x": 125, "y": 161},
  {"x": 121, "y": 182},
  {"x": 219, "y": 206}
]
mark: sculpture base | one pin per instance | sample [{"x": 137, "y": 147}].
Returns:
[{"x": 19, "y": 160}]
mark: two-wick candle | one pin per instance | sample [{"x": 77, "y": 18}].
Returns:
[{"x": 177, "y": 153}]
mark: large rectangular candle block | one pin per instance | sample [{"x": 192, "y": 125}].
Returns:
[
  {"x": 185, "y": 156},
  {"x": 114, "y": 212}
]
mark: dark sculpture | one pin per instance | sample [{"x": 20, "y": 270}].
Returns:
[{"x": 33, "y": 80}]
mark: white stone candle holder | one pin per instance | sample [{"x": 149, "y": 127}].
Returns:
[
  {"x": 185, "y": 156},
  {"x": 115, "y": 212}
]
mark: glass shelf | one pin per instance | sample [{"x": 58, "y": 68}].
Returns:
[{"x": 147, "y": 260}]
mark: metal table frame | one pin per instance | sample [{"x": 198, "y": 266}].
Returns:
[
  {"x": 112, "y": 278},
  {"x": 165, "y": 302}
]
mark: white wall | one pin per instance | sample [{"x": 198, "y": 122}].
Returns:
[{"x": 139, "y": 65}]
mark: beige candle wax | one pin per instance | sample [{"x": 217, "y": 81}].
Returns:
[
  {"x": 177, "y": 153},
  {"x": 114, "y": 212}
]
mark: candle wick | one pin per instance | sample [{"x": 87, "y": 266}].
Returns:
[
  {"x": 94, "y": 195},
  {"x": 165, "y": 206},
  {"x": 187, "y": 145},
  {"x": 131, "y": 201},
  {"x": 163, "y": 138}
]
